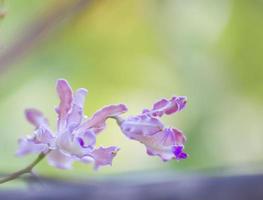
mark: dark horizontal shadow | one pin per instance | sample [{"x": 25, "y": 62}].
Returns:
[{"x": 189, "y": 187}]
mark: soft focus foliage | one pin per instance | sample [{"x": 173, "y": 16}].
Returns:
[{"x": 135, "y": 51}]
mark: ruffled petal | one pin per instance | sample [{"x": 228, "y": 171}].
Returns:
[
  {"x": 41, "y": 140},
  {"x": 169, "y": 137},
  {"x": 36, "y": 118},
  {"x": 45, "y": 136},
  {"x": 76, "y": 114},
  {"x": 65, "y": 94},
  {"x": 104, "y": 156},
  {"x": 27, "y": 146},
  {"x": 135, "y": 127},
  {"x": 42, "y": 134},
  {"x": 162, "y": 143},
  {"x": 59, "y": 160},
  {"x": 181, "y": 102},
  {"x": 97, "y": 122},
  {"x": 168, "y": 107}
]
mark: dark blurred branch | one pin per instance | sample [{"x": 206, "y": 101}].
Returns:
[
  {"x": 174, "y": 187},
  {"x": 2, "y": 9},
  {"x": 40, "y": 27}
]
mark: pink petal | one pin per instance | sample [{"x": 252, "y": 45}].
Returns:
[
  {"x": 76, "y": 114},
  {"x": 104, "y": 156},
  {"x": 141, "y": 125},
  {"x": 65, "y": 94},
  {"x": 161, "y": 144},
  {"x": 42, "y": 134},
  {"x": 179, "y": 136},
  {"x": 167, "y": 107},
  {"x": 97, "y": 122},
  {"x": 35, "y": 117},
  {"x": 169, "y": 137},
  {"x": 59, "y": 160},
  {"x": 181, "y": 102}
]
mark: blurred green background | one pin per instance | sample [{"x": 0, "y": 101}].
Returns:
[{"x": 135, "y": 52}]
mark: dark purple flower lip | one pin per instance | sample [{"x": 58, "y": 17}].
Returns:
[
  {"x": 179, "y": 153},
  {"x": 82, "y": 143}
]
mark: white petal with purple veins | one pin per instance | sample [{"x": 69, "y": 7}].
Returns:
[
  {"x": 76, "y": 145},
  {"x": 162, "y": 143},
  {"x": 60, "y": 160},
  {"x": 135, "y": 127}
]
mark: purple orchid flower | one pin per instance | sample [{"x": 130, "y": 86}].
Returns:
[
  {"x": 167, "y": 143},
  {"x": 75, "y": 137}
]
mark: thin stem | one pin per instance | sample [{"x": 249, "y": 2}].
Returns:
[{"x": 26, "y": 170}]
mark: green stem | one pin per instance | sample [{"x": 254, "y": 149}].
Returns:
[{"x": 26, "y": 170}]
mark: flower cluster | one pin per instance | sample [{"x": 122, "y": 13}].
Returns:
[{"x": 75, "y": 137}]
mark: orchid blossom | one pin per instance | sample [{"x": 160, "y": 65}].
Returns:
[
  {"x": 165, "y": 142},
  {"x": 75, "y": 137}
]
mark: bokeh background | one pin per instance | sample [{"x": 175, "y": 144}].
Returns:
[{"x": 135, "y": 52}]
